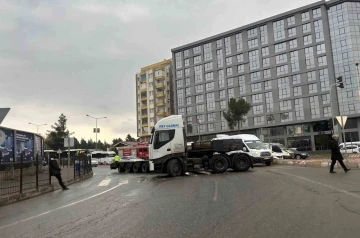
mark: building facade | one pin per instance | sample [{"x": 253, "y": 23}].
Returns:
[
  {"x": 154, "y": 96},
  {"x": 284, "y": 67}
]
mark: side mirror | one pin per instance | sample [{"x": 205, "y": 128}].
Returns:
[{"x": 244, "y": 149}]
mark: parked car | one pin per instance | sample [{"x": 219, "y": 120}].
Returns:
[
  {"x": 94, "y": 163},
  {"x": 352, "y": 149},
  {"x": 299, "y": 154}
]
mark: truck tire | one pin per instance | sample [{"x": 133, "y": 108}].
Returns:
[
  {"x": 219, "y": 163},
  {"x": 128, "y": 167},
  {"x": 136, "y": 167},
  {"x": 174, "y": 168},
  {"x": 144, "y": 168},
  {"x": 241, "y": 163}
]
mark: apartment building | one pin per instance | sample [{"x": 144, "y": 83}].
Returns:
[
  {"x": 284, "y": 66},
  {"x": 154, "y": 100}
]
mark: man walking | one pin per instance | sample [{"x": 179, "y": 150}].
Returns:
[
  {"x": 55, "y": 171},
  {"x": 336, "y": 154}
]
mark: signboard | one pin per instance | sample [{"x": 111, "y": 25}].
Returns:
[
  {"x": 6, "y": 145},
  {"x": 24, "y": 146},
  {"x": 126, "y": 152},
  {"x": 96, "y": 130},
  {"x": 143, "y": 143},
  {"x": 38, "y": 146},
  {"x": 72, "y": 142},
  {"x": 342, "y": 120},
  {"x": 59, "y": 151}
]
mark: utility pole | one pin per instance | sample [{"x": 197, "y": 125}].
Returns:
[
  {"x": 96, "y": 128},
  {"x": 37, "y": 126}
]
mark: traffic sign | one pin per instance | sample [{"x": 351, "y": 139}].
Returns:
[
  {"x": 59, "y": 151},
  {"x": 342, "y": 120}
]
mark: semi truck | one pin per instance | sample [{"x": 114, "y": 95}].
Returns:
[{"x": 170, "y": 153}]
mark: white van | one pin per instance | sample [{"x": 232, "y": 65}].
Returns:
[
  {"x": 254, "y": 147},
  {"x": 341, "y": 145},
  {"x": 279, "y": 151},
  {"x": 103, "y": 157}
]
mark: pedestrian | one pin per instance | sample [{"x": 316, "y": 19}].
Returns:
[
  {"x": 336, "y": 154},
  {"x": 55, "y": 171}
]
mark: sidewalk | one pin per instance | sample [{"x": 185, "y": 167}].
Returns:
[{"x": 353, "y": 163}]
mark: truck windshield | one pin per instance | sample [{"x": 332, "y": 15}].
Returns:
[{"x": 255, "y": 145}]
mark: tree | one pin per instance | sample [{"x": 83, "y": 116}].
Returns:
[
  {"x": 129, "y": 138},
  {"x": 236, "y": 112},
  {"x": 55, "y": 137},
  {"x": 114, "y": 141}
]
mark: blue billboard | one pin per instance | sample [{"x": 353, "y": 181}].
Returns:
[
  {"x": 6, "y": 145},
  {"x": 24, "y": 146}
]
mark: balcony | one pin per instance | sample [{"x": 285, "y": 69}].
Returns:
[
  {"x": 143, "y": 124},
  {"x": 160, "y": 95},
  {"x": 144, "y": 116},
  {"x": 143, "y": 99},
  {"x": 143, "y": 90},
  {"x": 143, "y": 106},
  {"x": 160, "y": 104},
  {"x": 160, "y": 77},
  {"x": 161, "y": 113},
  {"x": 160, "y": 86}
]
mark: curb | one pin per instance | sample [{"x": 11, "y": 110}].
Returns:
[{"x": 350, "y": 163}]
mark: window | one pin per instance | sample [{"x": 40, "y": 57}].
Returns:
[
  {"x": 241, "y": 68},
  {"x": 280, "y": 59},
  {"x": 200, "y": 118},
  {"x": 240, "y": 58},
  {"x": 208, "y": 66},
  {"x": 239, "y": 45},
  {"x": 297, "y": 91},
  {"x": 197, "y": 59},
  {"x": 327, "y": 111},
  {"x": 189, "y": 110},
  {"x": 285, "y": 105},
  {"x": 319, "y": 33},
  {"x": 284, "y": 87},
  {"x": 263, "y": 35},
  {"x": 256, "y": 98},
  {"x": 292, "y": 32},
  {"x": 224, "y": 125},
  {"x": 258, "y": 121},
  {"x": 314, "y": 107},
  {"x": 187, "y": 62},
  {"x": 207, "y": 47},
  {"x": 188, "y": 101},
  {"x": 219, "y": 53},
  {"x": 198, "y": 74},
  {"x": 187, "y": 72},
  {"x": 242, "y": 85},
  {"x": 325, "y": 99},
  {"x": 199, "y": 98},
  {"x": 255, "y": 76},
  {"x": 294, "y": 59},
  {"x": 267, "y": 73},
  {"x": 227, "y": 46},
  {"x": 211, "y": 127},
  {"x": 320, "y": 49},
  {"x": 313, "y": 88},
  {"x": 252, "y": 33},
  {"x": 230, "y": 92},
  {"x": 221, "y": 78},
  {"x": 265, "y": 51},
  {"x": 199, "y": 88},
  {"x": 258, "y": 109},
  {"x": 281, "y": 70},
  {"x": 324, "y": 79},
  {"x": 179, "y": 73},
  {"x": 309, "y": 58},
  {"x": 211, "y": 116},
  {"x": 228, "y": 61},
  {"x": 255, "y": 87},
  {"x": 311, "y": 76},
  {"x": 188, "y": 91},
  {"x": 322, "y": 61},
  {"x": 280, "y": 47},
  {"x": 254, "y": 59},
  {"x": 197, "y": 50},
  {"x": 210, "y": 96},
  {"x": 299, "y": 109},
  {"x": 179, "y": 83},
  {"x": 229, "y": 71},
  {"x": 253, "y": 43},
  {"x": 210, "y": 105},
  {"x": 222, "y": 104},
  {"x": 208, "y": 56},
  {"x": 291, "y": 21},
  {"x": 178, "y": 60},
  {"x": 163, "y": 137},
  {"x": 296, "y": 79},
  {"x": 293, "y": 44},
  {"x": 220, "y": 63},
  {"x": 305, "y": 16},
  {"x": 306, "y": 28},
  {"x": 219, "y": 43},
  {"x": 209, "y": 76},
  {"x": 266, "y": 62},
  {"x": 317, "y": 13},
  {"x": 307, "y": 40},
  {"x": 186, "y": 53},
  {"x": 210, "y": 86},
  {"x": 222, "y": 94},
  {"x": 230, "y": 82},
  {"x": 200, "y": 108},
  {"x": 269, "y": 102},
  {"x": 267, "y": 85},
  {"x": 279, "y": 30}
]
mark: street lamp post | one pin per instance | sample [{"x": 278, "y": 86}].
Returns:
[
  {"x": 96, "y": 128},
  {"x": 37, "y": 126}
]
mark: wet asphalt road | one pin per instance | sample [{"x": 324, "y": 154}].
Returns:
[{"x": 276, "y": 201}]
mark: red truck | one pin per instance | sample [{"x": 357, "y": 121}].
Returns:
[{"x": 141, "y": 150}]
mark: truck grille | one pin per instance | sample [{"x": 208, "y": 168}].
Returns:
[{"x": 263, "y": 154}]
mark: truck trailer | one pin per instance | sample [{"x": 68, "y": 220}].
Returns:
[{"x": 170, "y": 153}]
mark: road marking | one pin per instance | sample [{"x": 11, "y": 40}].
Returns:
[
  {"x": 215, "y": 192},
  {"x": 321, "y": 184},
  {"x": 104, "y": 183},
  {"x": 65, "y": 206}
]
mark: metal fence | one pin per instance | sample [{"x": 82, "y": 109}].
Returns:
[{"x": 31, "y": 176}]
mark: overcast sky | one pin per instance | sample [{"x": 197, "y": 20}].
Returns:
[{"x": 80, "y": 57}]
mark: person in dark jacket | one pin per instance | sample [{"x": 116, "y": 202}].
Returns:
[
  {"x": 55, "y": 171},
  {"x": 336, "y": 154}
]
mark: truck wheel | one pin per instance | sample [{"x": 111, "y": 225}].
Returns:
[
  {"x": 128, "y": 168},
  {"x": 241, "y": 163},
  {"x": 219, "y": 163},
  {"x": 174, "y": 168},
  {"x": 144, "y": 168},
  {"x": 268, "y": 163},
  {"x": 136, "y": 167}
]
